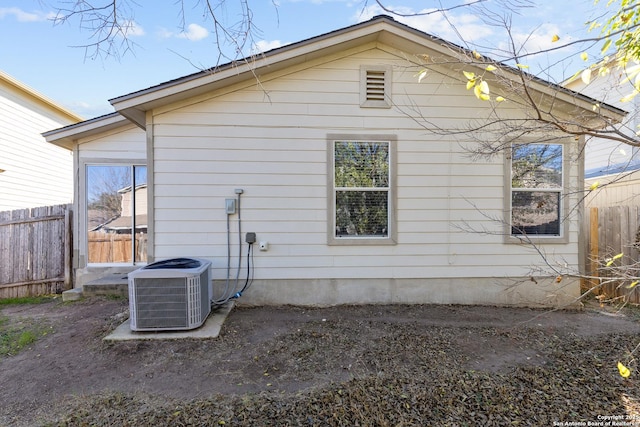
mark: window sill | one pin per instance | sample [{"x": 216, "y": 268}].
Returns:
[
  {"x": 361, "y": 241},
  {"x": 536, "y": 239}
]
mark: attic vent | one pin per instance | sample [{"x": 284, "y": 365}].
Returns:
[{"x": 375, "y": 86}]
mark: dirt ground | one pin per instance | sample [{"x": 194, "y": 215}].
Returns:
[{"x": 321, "y": 366}]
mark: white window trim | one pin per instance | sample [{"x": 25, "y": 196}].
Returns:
[
  {"x": 84, "y": 233},
  {"x": 364, "y": 101},
  {"x": 391, "y": 237},
  {"x": 563, "y": 209}
]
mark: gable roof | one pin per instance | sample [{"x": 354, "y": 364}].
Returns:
[
  {"x": 38, "y": 98},
  {"x": 380, "y": 29}
]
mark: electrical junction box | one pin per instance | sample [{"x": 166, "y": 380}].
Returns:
[
  {"x": 230, "y": 206},
  {"x": 251, "y": 238}
]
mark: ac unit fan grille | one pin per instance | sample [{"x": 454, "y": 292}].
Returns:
[{"x": 161, "y": 303}]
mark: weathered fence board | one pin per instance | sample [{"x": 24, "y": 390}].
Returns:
[
  {"x": 110, "y": 247},
  {"x": 35, "y": 251},
  {"x": 614, "y": 230}
]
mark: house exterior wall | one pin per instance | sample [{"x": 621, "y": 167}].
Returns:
[
  {"x": 141, "y": 201},
  {"x": 36, "y": 173},
  {"x": 614, "y": 190},
  {"x": 270, "y": 140}
]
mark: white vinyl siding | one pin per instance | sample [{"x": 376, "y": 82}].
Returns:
[
  {"x": 36, "y": 173},
  {"x": 272, "y": 144},
  {"x": 126, "y": 143}
]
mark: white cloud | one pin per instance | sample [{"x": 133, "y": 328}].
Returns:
[
  {"x": 539, "y": 40},
  {"x": 163, "y": 33},
  {"x": 194, "y": 32},
  {"x": 131, "y": 28},
  {"x": 264, "y": 45},
  {"x": 456, "y": 27},
  {"x": 22, "y": 16}
]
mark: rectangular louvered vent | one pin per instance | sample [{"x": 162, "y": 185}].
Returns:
[{"x": 375, "y": 85}]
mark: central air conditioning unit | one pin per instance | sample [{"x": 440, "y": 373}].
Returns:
[{"x": 170, "y": 295}]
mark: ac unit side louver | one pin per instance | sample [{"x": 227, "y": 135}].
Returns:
[{"x": 170, "y": 295}]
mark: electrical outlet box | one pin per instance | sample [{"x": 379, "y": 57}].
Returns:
[
  {"x": 251, "y": 238},
  {"x": 230, "y": 206}
]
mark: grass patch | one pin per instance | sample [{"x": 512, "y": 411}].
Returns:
[
  {"x": 26, "y": 300},
  {"x": 16, "y": 337}
]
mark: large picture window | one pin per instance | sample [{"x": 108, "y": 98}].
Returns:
[
  {"x": 362, "y": 199},
  {"x": 536, "y": 189},
  {"x": 116, "y": 213}
]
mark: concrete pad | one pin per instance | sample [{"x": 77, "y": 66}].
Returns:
[
  {"x": 74, "y": 294},
  {"x": 210, "y": 329}
]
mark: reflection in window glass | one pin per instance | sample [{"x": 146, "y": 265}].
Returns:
[
  {"x": 536, "y": 189},
  {"x": 361, "y": 185},
  {"x": 116, "y": 213},
  {"x": 534, "y": 212}
]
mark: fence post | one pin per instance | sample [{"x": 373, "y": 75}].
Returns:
[
  {"x": 68, "y": 250},
  {"x": 593, "y": 247}
]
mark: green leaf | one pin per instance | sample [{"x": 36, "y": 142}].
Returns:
[
  {"x": 629, "y": 97},
  {"x": 615, "y": 257},
  {"x": 482, "y": 91},
  {"x": 585, "y": 76},
  {"x": 490, "y": 68},
  {"x": 624, "y": 371},
  {"x": 469, "y": 75}
]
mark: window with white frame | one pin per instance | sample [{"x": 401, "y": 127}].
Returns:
[
  {"x": 362, "y": 191},
  {"x": 537, "y": 172},
  {"x": 116, "y": 213}
]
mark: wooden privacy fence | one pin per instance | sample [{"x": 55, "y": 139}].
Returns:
[
  {"x": 110, "y": 247},
  {"x": 613, "y": 230},
  {"x": 35, "y": 251}
]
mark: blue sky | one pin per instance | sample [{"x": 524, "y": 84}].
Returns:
[{"x": 41, "y": 54}]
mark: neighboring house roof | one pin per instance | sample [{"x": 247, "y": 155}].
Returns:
[
  {"x": 605, "y": 156},
  {"x": 122, "y": 223},
  {"x": 38, "y": 98},
  {"x": 380, "y": 29},
  {"x": 614, "y": 169}
]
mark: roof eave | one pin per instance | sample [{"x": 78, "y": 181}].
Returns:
[
  {"x": 38, "y": 97},
  {"x": 67, "y": 136},
  {"x": 379, "y": 29},
  {"x": 134, "y": 105}
]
